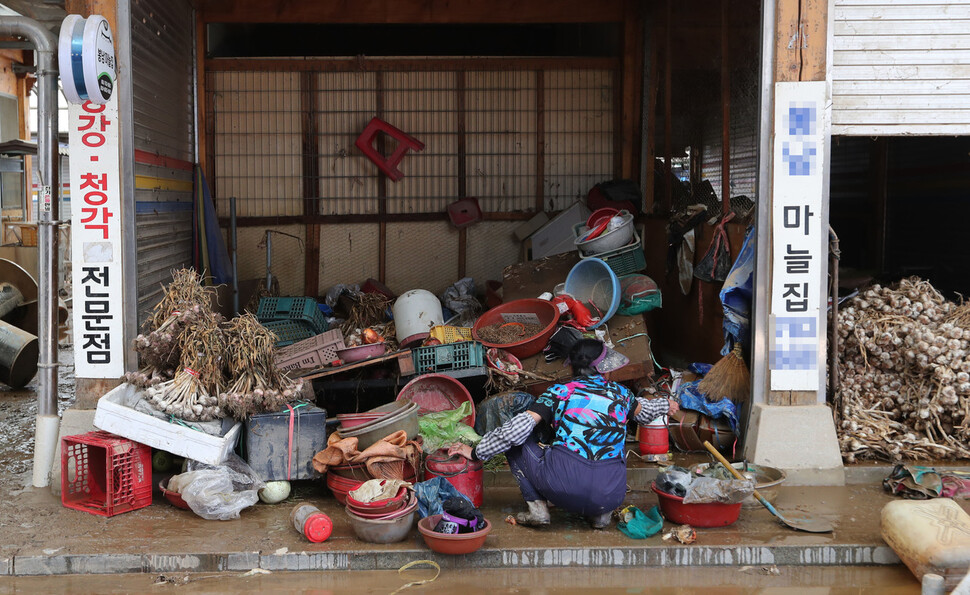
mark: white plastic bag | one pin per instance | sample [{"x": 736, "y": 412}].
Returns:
[{"x": 220, "y": 492}]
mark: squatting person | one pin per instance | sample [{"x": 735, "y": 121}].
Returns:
[{"x": 584, "y": 469}]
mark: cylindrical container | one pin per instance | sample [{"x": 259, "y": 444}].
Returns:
[
  {"x": 415, "y": 312},
  {"x": 10, "y": 298},
  {"x": 654, "y": 437},
  {"x": 467, "y": 476},
  {"x": 311, "y": 523},
  {"x": 18, "y": 356}
]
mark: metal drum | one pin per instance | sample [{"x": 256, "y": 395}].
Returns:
[{"x": 18, "y": 355}]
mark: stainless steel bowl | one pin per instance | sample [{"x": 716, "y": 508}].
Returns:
[{"x": 766, "y": 480}]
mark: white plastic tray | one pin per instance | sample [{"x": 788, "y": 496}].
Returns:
[{"x": 114, "y": 414}]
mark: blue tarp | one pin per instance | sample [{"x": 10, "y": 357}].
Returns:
[
  {"x": 736, "y": 297},
  {"x": 690, "y": 398}
]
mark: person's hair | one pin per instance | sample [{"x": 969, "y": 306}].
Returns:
[{"x": 582, "y": 355}]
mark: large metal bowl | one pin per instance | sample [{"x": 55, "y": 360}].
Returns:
[
  {"x": 610, "y": 240},
  {"x": 766, "y": 480}
]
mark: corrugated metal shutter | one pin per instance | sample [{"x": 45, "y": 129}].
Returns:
[
  {"x": 901, "y": 67},
  {"x": 164, "y": 131}
]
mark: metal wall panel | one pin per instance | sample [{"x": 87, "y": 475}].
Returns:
[
  {"x": 491, "y": 248},
  {"x": 421, "y": 256},
  {"x": 257, "y": 135},
  {"x": 349, "y": 253},
  {"x": 424, "y": 105},
  {"x": 900, "y": 67},
  {"x": 164, "y": 126},
  {"x": 164, "y": 244},
  {"x": 579, "y": 114},
  {"x": 346, "y": 101},
  {"x": 500, "y": 139},
  {"x": 288, "y": 258}
]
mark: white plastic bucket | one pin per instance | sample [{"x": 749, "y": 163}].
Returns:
[{"x": 415, "y": 312}]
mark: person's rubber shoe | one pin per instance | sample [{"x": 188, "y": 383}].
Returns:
[
  {"x": 601, "y": 521},
  {"x": 537, "y": 516}
]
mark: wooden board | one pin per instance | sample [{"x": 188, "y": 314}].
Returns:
[
  {"x": 405, "y": 365},
  {"x": 531, "y": 278}
]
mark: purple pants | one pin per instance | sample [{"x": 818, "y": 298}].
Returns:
[{"x": 568, "y": 480}]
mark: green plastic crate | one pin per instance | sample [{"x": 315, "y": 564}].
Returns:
[
  {"x": 289, "y": 331},
  {"x": 624, "y": 260},
  {"x": 305, "y": 309},
  {"x": 450, "y": 356}
]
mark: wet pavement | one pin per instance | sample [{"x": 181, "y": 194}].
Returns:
[
  {"x": 40, "y": 537},
  {"x": 892, "y": 580}
]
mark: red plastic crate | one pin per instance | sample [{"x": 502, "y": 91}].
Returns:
[{"x": 105, "y": 474}]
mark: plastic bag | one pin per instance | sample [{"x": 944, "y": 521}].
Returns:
[
  {"x": 636, "y": 524},
  {"x": 638, "y": 294},
  {"x": 705, "y": 490},
  {"x": 431, "y": 495},
  {"x": 460, "y": 299},
  {"x": 220, "y": 492},
  {"x": 498, "y": 409},
  {"x": 444, "y": 428},
  {"x": 674, "y": 480}
]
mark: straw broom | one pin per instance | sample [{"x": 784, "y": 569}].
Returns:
[{"x": 728, "y": 378}]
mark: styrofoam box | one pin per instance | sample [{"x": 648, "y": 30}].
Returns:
[
  {"x": 557, "y": 236},
  {"x": 115, "y": 414}
]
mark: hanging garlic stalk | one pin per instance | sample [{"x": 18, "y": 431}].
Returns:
[{"x": 259, "y": 385}]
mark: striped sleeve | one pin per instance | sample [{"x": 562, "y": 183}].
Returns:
[
  {"x": 651, "y": 409},
  {"x": 512, "y": 433}
]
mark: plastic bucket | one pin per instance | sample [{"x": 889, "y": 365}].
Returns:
[
  {"x": 467, "y": 476},
  {"x": 654, "y": 439},
  {"x": 415, "y": 312}
]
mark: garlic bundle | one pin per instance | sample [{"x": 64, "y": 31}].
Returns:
[{"x": 904, "y": 365}]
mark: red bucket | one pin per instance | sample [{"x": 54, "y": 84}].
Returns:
[
  {"x": 467, "y": 476},
  {"x": 654, "y": 440}
]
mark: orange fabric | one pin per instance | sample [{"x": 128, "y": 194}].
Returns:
[{"x": 384, "y": 459}]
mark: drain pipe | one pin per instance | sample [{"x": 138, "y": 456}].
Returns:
[{"x": 45, "y": 46}]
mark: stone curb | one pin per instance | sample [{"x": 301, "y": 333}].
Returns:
[{"x": 678, "y": 556}]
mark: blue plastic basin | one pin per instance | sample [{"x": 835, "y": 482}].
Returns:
[{"x": 594, "y": 283}]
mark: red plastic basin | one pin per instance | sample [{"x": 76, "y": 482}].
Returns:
[
  {"x": 547, "y": 313},
  {"x": 461, "y": 543},
  {"x": 382, "y": 506},
  {"x": 714, "y": 514},
  {"x": 437, "y": 392}
]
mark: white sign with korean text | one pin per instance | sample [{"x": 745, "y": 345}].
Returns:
[
  {"x": 96, "y": 239},
  {"x": 798, "y": 261}
]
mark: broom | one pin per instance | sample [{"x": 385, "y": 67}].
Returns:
[{"x": 728, "y": 378}]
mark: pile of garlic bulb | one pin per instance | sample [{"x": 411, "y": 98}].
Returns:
[{"x": 904, "y": 366}]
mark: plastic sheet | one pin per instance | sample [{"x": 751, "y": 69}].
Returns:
[
  {"x": 460, "y": 299},
  {"x": 707, "y": 490},
  {"x": 444, "y": 428},
  {"x": 736, "y": 297},
  {"x": 431, "y": 495},
  {"x": 220, "y": 492},
  {"x": 674, "y": 480}
]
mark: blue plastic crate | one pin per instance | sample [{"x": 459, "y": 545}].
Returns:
[
  {"x": 292, "y": 308},
  {"x": 450, "y": 356},
  {"x": 289, "y": 331}
]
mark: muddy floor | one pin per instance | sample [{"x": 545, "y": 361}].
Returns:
[
  {"x": 18, "y": 408},
  {"x": 892, "y": 580}
]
